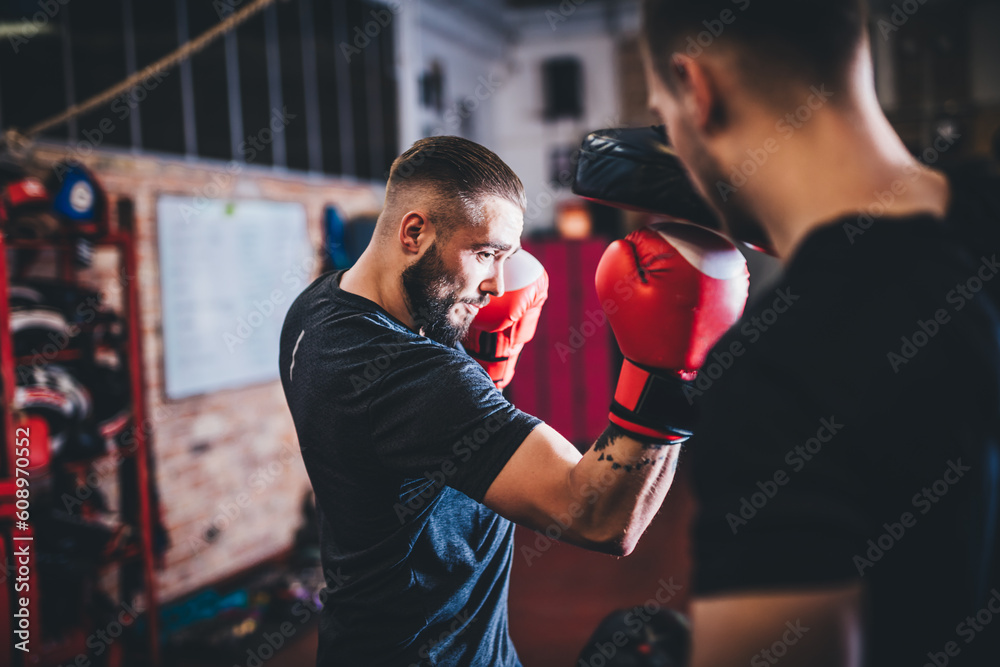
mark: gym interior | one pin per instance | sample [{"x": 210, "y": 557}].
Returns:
[{"x": 176, "y": 173}]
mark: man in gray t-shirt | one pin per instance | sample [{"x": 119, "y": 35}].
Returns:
[{"x": 418, "y": 462}]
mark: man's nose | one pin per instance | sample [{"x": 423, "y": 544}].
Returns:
[{"x": 494, "y": 284}]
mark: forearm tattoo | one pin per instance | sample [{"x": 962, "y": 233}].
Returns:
[{"x": 651, "y": 449}]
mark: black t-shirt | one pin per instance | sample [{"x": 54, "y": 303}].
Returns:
[
  {"x": 851, "y": 431},
  {"x": 401, "y": 437}
]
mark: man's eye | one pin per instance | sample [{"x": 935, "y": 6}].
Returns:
[{"x": 486, "y": 254}]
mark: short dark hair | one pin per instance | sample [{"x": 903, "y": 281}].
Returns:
[
  {"x": 455, "y": 169},
  {"x": 805, "y": 41}
]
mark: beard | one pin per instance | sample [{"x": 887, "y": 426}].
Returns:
[{"x": 424, "y": 283}]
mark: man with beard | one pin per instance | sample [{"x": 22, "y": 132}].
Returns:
[
  {"x": 846, "y": 464},
  {"x": 418, "y": 462}
]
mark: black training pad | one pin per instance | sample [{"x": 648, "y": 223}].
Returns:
[{"x": 635, "y": 168}]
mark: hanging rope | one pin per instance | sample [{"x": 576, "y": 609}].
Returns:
[{"x": 15, "y": 139}]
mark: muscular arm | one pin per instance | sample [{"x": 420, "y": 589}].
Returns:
[
  {"x": 669, "y": 291},
  {"x": 808, "y": 628},
  {"x": 602, "y": 500}
]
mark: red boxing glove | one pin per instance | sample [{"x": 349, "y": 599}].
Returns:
[
  {"x": 502, "y": 327},
  {"x": 670, "y": 291}
]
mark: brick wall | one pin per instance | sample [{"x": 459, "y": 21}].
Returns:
[{"x": 230, "y": 477}]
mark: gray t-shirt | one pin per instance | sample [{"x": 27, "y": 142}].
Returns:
[{"x": 401, "y": 437}]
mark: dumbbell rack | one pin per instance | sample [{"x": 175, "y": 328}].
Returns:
[{"x": 69, "y": 647}]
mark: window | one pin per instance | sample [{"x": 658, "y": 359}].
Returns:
[
  {"x": 289, "y": 59},
  {"x": 561, "y": 78}
]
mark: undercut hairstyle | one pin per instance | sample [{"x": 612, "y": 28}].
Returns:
[
  {"x": 779, "y": 42},
  {"x": 455, "y": 174}
]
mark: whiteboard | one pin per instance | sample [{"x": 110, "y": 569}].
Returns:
[{"x": 228, "y": 273}]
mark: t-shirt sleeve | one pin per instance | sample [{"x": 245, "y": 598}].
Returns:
[
  {"x": 437, "y": 414},
  {"x": 780, "y": 501}
]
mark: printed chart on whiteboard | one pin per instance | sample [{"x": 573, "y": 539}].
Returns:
[{"x": 229, "y": 270}]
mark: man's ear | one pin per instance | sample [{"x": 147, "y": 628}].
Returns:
[
  {"x": 415, "y": 231},
  {"x": 698, "y": 91}
]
